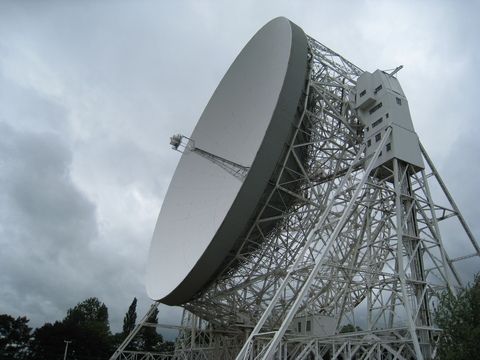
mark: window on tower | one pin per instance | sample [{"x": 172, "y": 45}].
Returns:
[
  {"x": 377, "y": 122},
  {"x": 375, "y": 108}
]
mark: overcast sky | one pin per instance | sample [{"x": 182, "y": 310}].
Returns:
[{"x": 90, "y": 92}]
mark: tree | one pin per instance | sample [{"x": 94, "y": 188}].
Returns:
[
  {"x": 128, "y": 325},
  {"x": 150, "y": 339},
  {"x": 48, "y": 341},
  {"x": 89, "y": 310},
  {"x": 459, "y": 318},
  {"x": 14, "y": 337},
  {"x": 167, "y": 347},
  {"x": 86, "y": 326},
  {"x": 130, "y": 318},
  {"x": 349, "y": 328}
]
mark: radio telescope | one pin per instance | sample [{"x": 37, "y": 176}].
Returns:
[{"x": 302, "y": 202}]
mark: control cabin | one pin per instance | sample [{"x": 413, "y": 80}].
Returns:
[{"x": 381, "y": 103}]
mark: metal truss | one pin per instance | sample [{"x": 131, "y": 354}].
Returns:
[
  {"x": 143, "y": 355},
  {"x": 122, "y": 353},
  {"x": 199, "y": 340},
  {"x": 183, "y": 144},
  {"x": 358, "y": 244}
]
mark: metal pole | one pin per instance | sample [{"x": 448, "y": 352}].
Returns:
[
  {"x": 66, "y": 348},
  {"x": 134, "y": 332},
  {"x": 399, "y": 258},
  {"x": 452, "y": 202},
  {"x": 445, "y": 259}
]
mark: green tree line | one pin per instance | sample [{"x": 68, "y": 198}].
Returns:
[{"x": 87, "y": 328}]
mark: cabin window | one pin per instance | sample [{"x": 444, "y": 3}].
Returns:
[
  {"x": 378, "y": 122},
  {"x": 375, "y": 108}
]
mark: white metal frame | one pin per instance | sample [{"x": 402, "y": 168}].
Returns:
[{"x": 361, "y": 247}]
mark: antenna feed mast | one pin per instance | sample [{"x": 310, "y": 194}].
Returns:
[{"x": 182, "y": 144}]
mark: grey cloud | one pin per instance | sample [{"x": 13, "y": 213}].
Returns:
[
  {"x": 25, "y": 104},
  {"x": 461, "y": 171},
  {"x": 45, "y": 218},
  {"x": 91, "y": 91}
]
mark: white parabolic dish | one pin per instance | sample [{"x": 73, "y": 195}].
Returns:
[{"x": 249, "y": 120}]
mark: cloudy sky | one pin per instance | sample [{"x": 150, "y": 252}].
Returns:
[{"x": 90, "y": 92}]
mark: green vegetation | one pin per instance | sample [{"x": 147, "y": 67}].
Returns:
[
  {"x": 130, "y": 318},
  {"x": 14, "y": 337},
  {"x": 459, "y": 317},
  {"x": 86, "y": 326},
  {"x": 349, "y": 328}
]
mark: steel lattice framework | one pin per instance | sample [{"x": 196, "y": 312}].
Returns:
[{"x": 361, "y": 245}]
